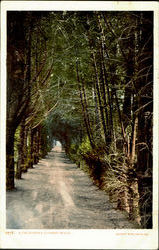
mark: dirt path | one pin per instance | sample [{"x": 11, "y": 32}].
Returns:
[{"x": 58, "y": 195}]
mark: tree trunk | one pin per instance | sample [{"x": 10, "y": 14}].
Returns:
[
  {"x": 36, "y": 147},
  {"x": 99, "y": 98},
  {"x": 25, "y": 150},
  {"x": 16, "y": 101},
  {"x": 109, "y": 115},
  {"x": 83, "y": 108},
  {"x": 21, "y": 156},
  {"x": 10, "y": 156},
  {"x": 144, "y": 85},
  {"x": 30, "y": 149},
  {"x": 86, "y": 109},
  {"x": 97, "y": 115}
]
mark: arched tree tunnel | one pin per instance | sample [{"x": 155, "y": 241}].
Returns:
[{"x": 84, "y": 79}]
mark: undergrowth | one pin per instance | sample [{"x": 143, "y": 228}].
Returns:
[{"x": 109, "y": 172}]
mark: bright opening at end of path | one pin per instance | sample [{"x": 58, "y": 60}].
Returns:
[{"x": 57, "y": 146}]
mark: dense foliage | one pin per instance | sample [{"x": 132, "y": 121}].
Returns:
[{"x": 86, "y": 79}]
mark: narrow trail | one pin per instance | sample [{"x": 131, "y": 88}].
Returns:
[{"x": 56, "y": 194}]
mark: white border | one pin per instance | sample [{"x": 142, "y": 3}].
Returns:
[
  {"x": 3, "y": 120},
  {"x": 79, "y": 5},
  {"x": 79, "y": 239}
]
